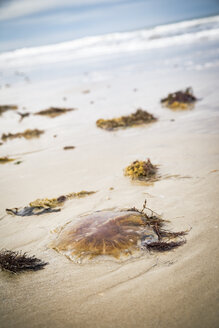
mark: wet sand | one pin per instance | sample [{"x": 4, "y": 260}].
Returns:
[{"x": 175, "y": 289}]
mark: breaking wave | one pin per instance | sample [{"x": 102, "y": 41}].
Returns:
[{"x": 181, "y": 33}]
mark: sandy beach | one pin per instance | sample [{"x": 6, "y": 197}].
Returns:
[{"x": 173, "y": 289}]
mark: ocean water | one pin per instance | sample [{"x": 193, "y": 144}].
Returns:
[{"x": 191, "y": 44}]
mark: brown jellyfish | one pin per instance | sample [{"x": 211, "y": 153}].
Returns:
[{"x": 116, "y": 234}]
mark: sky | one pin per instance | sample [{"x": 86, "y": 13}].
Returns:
[{"x": 30, "y": 23}]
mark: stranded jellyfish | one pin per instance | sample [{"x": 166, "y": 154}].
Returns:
[{"x": 115, "y": 234}]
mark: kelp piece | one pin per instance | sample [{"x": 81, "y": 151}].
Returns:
[
  {"x": 179, "y": 99},
  {"x": 115, "y": 234},
  {"x": 31, "y": 210},
  {"x": 162, "y": 246},
  {"x": 4, "y": 160},
  {"x": 54, "y": 111},
  {"x": 80, "y": 194},
  {"x": 47, "y": 205},
  {"x": 138, "y": 118},
  {"x": 142, "y": 170},
  {"x": 16, "y": 262},
  {"x": 5, "y": 108},
  {"x": 27, "y": 134},
  {"x": 59, "y": 201},
  {"x": 23, "y": 115},
  {"x": 69, "y": 147}
]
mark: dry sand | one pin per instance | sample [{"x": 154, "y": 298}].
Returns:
[{"x": 175, "y": 289}]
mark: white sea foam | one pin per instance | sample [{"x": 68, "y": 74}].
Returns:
[{"x": 158, "y": 37}]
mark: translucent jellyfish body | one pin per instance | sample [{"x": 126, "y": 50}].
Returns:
[{"x": 105, "y": 234}]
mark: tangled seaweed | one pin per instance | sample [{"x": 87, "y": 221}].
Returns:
[
  {"x": 162, "y": 246},
  {"x": 138, "y": 118},
  {"x": 116, "y": 234},
  {"x": 16, "y": 262},
  {"x": 5, "y": 108},
  {"x": 27, "y": 134},
  {"x": 4, "y": 160},
  {"x": 141, "y": 170},
  {"x": 54, "y": 111},
  {"x": 167, "y": 240},
  {"x": 47, "y": 205},
  {"x": 179, "y": 99}
]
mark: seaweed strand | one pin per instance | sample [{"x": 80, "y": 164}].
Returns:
[
  {"x": 17, "y": 262},
  {"x": 167, "y": 240}
]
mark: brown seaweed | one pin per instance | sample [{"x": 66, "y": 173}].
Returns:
[
  {"x": 4, "y": 160},
  {"x": 5, "y": 108},
  {"x": 138, "y": 118},
  {"x": 142, "y": 170},
  {"x": 47, "y": 205},
  {"x": 162, "y": 246},
  {"x": 18, "y": 163},
  {"x": 54, "y": 111},
  {"x": 27, "y": 134},
  {"x": 59, "y": 201},
  {"x": 179, "y": 99},
  {"x": 23, "y": 115},
  {"x": 68, "y": 147},
  {"x": 16, "y": 262},
  {"x": 145, "y": 171}
]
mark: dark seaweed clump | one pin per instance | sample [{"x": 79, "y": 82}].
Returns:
[
  {"x": 68, "y": 147},
  {"x": 31, "y": 210},
  {"x": 137, "y": 118},
  {"x": 167, "y": 240},
  {"x": 23, "y": 115},
  {"x": 16, "y": 262},
  {"x": 179, "y": 99},
  {"x": 162, "y": 246},
  {"x": 54, "y": 111}
]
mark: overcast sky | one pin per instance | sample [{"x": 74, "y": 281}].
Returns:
[{"x": 25, "y": 23}]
